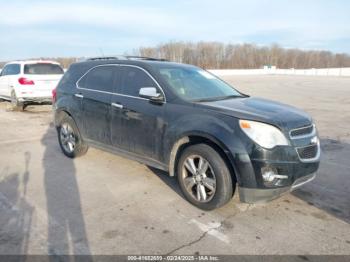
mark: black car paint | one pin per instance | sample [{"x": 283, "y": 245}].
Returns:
[{"x": 149, "y": 131}]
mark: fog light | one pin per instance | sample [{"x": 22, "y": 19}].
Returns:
[{"x": 271, "y": 175}]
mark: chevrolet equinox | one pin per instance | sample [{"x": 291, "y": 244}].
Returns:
[{"x": 186, "y": 121}]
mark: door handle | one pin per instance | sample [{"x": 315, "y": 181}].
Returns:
[
  {"x": 117, "y": 105},
  {"x": 79, "y": 95}
]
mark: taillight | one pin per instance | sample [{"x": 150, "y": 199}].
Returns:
[
  {"x": 54, "y": 93},
  {"x": 25, "y": 81}
]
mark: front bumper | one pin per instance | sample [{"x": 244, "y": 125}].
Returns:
[
  {"x": 265, "y": 174},
  {"x": 256, "y": 195}
]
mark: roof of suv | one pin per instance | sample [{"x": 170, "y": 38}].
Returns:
[
  {"x": 151, "y": 65},
  {"x": 121, "y": 57},
  {"x": 130, "y": 60}
]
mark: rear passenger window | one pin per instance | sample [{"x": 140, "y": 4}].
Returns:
[
  {"x": 12, "y": 69},
  {"x": 100, "y": 78},
  {"x": 133, "y": 79}
]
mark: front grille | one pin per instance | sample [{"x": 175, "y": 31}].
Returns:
[
  {"x": 307, "y": 152},
  {"x": 301, "y": 131}
]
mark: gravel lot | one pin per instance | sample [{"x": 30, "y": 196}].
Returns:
[{"x": 104, "y": 204}]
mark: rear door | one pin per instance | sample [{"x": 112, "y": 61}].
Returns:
[
  {"x": 4, "y": 82},
  {"x": 9, "y": 79},
  {"x": 96, "y": 89},
  {"x": 137, "y": 124},
  {"x": 45, "y": 76}
]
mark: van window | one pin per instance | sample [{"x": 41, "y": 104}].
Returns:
[
  {"x": 100, "y": 78},
  {"x": 11, "y": 69},
  {"x": 43, "y": 69},
  {"x": 133, "y": 79}
]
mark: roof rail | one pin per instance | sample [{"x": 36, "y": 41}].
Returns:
[
  {"x": 145, "y": 58},
  {"x": 120, "y": 57},
  {"x": 105, "y": 58}
]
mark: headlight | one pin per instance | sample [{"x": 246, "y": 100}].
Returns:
[{"x": 265, "y": 135}]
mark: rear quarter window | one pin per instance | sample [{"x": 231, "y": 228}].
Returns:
[
  {"x": 11, "y": 69},
  {"x": 43, "y": 69}
]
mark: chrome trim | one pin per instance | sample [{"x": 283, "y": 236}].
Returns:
[
  {"x": 314, "y": 159},
  {"x": 304, "y": 180},
  {"x": 117, "y": 105},
  {"x": 313, "y": 132},
  {"x": 280, "y": 176},
  {"x": 115, "y": 93},
  {"x": 155, "y": 81},
  {"x": 78, "y": 95},
  {"x": 110, "y": 93}
]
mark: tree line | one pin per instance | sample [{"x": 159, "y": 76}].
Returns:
[{"x": 216, "y": 55}]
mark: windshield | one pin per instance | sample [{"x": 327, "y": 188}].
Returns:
[
  {"x": 196, "y": 84},
  {"x": 43, "y": 69}
]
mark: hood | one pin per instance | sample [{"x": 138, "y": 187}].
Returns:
[{"x": 284, "y": 116}]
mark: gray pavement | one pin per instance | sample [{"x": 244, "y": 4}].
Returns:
[{"x": 105, "y": 204}]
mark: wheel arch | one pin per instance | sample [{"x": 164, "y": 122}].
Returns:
[
  {"x": 59, "y": 113},
  {"x": 197, "y": 138}
]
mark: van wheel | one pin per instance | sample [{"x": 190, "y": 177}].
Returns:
[
  {"x": 15, "y": 104},
  {"x": 204, "y": 177},
  {"x": 70, "y": 139}
]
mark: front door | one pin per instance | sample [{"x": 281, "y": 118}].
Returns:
[{"x": 137, "y": 124}]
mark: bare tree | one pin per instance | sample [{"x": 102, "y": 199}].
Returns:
[{"x": 220, "y": 55}]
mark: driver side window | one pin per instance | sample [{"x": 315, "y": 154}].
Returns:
[{"x": 133, "y": 79}]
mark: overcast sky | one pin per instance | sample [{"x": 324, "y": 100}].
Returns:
[{"x": 39, "y": 28}]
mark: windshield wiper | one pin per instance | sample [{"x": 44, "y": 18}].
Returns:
[{"x": 209, "y": 99}]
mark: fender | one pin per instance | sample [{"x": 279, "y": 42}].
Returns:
[
  {"x": 72, "y": 108},
  {"x": 207, "y": 127}
]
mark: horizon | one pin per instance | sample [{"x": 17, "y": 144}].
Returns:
[
  {"x": 160, "y": 44},
  {"x": 84, "y": 29}
]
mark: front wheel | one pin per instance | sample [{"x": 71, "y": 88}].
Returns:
[
  {"x": 69, "y": 138},
  {"x": 204, "y": 177}
]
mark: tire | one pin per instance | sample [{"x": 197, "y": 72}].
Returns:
[
  {"x": 69, "y": 138},
  {"x": 215, "y": 194},
  {"x": 15, "y": 104}
]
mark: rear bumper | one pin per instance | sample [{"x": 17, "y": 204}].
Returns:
[
  {"x": 257, "y": 195},
  {"x": 35, "y": 100}
]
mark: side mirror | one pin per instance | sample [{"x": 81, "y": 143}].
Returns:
[{"x": 151, "y": 94}]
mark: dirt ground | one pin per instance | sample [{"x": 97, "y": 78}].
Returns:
[{"x": 105, "y": 204}]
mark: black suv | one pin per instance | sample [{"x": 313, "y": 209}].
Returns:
[{"x": 184, "y": 120}]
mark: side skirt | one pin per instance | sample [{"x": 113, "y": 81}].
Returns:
[{"x": 121, "y": 152}]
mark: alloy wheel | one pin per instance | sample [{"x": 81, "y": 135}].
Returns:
[
  {"x": 67, "y": 137},
  {"x": 199, "y": 178}
]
